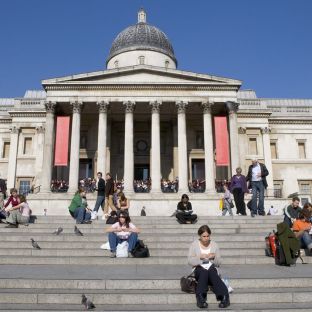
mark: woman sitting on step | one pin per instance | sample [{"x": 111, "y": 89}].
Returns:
[
  {"x": 78, "y": 208},
  {"x": 19, "y": 214},
  {"x": 204, "y": 257},
  {"x": 184, "y": 212},
  {"x": 121, "y": 231}
]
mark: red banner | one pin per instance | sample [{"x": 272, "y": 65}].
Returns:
[
  {"x": 222, "y": 141},
  {"x": 61, "y": 141}
]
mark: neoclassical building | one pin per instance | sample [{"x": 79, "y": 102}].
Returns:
[{"x": 141, "y": 118}]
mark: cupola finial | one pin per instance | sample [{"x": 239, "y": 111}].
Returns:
[{"x": 141, "y": 16}]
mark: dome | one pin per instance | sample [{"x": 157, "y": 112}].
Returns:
[{"x": 141, "y": 36}]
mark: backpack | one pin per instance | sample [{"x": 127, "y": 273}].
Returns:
[
  {"x": 270, "y": 245},
  {"x": 280, "y": 258},
  {"x": 140, "y": 250}
]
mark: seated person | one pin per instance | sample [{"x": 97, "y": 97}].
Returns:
[
  {"x": 13, "y": 199},
  {"x": 123, "y": 203},
  {"x": 302, "y": 228},
  {"x": 292, "y": 211},
  {"x": 184, "y": 211},
  {"x": 202, "y": 251},
  {"x": 19, "y": 214},
  {"x": 306, "y": 206},
  {"x": 122, "y": 230},
  {"x": 3, "y": 213},
  {"x": 78, "y": 208}
]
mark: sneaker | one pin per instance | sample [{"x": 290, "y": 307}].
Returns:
[
  {"x": 130, "y": 255},
  {"x": 93, "y": 215},
  {"x": 113, "y": 254},
  {"x": 10, "y": 225},
  {"x": 87, "y": 222}
]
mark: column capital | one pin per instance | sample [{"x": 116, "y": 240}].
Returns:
[
  {"x": 155, "y": 106},
  {"x": 15, "y": 129},
  {"x": 40, "y": 129},
  {"x": 232, "y": 107},
  {"x": 50, "y": 106},
  {"x": 265, "y": 130},
  {"x": 129, "y": 106},
  {"x": 181, "y": 106},
  {"x": 102, "y": 106},
  {"x": 241, "y": 130},
  {"x": 207, "y": 106},
  {"x": 76, "y": 106}
]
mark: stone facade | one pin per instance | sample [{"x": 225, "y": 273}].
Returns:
[{"x": 151, "y": 115}]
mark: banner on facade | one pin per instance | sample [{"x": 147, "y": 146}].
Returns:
[
  {"x": 61, "y": 141},
  {"x": 222, "y": 141}
]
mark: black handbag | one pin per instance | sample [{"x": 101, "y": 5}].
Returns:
[
  {"x": 140, "y": 250},
  {"x": 188, "y": 284}
]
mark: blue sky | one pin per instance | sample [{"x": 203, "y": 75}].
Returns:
[{"x": 266, "y": 44}]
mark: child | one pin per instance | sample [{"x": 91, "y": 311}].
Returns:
[{"x": 227, "y": 201}]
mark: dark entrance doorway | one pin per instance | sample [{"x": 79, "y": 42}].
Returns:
[
  {"x": 198, "y": 169},
  {"x": 141, "y": 172},
  {"x": 85, "y": 169}
]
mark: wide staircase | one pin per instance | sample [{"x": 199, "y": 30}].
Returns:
[{"x": 67, "y": 266}]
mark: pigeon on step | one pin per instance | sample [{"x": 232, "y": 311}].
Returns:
[
  {"x": 77, "y": 232},
  {"x": 143, "y": 212},
  {"x": 35, "y": 244},
  {"x": 87, "y": 302},
  {"x": 58, "y": 231}
]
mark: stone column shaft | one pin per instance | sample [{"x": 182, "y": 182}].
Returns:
[
  {"x": 12, "y": 157},
  {"x": 48, "y": 149},
  {"x": 128, "y": 156},
  {"x": 155, "y": 150},
  {"x": 102, "y": 137},
  {"x": 234, "y": 145},
  {"x": 39, "y": 154},
  {"x": 267, "y": 156},
  {"x": 74, "y": 148},
  {"x": 208, "y": 144},
  {"x": 182, "y": 145}
]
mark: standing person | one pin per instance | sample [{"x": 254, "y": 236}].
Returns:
[
  {"x": 19, "y": 214},
  {"x": 256, "y": 176},
  {"x": 201, "y": 252},
  {"x": 100, "y": 199},
  {"x": 238, "y": 188},
  {"x": 109, "y": 193},
  {"x": 227, "y": 202},
  {"x": 123, "y": 230},
  {"x": 3, "y": 188},
  {"x": 292, "y": 211},
  {"x": 78, "y": 208}
]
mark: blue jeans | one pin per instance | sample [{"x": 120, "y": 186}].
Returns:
[
  {"x": 81, "y": 215},
  {"x": 306, "y": 240},
  {"x": 114, "y": 240},
  {"x": 99, "y": 202},
  {"x": 257, "y": 187}
]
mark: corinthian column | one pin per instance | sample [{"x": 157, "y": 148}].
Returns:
[
  {"x": 48, "y": 148},
  {"x": 182, "y": 145},
  {"x": 74, "y": 147},
  {"x": 267, "y": 155},
  {"x": 155, "y": 150},
  {"x": 39, "y": 154},
  {"x": 128, "y": 156},
  {"x": 232, "y": 109},
  {"x": 208, "y": 142},
  {"x": 12, "y": 157},
  {"x": 102, "y": 136}
]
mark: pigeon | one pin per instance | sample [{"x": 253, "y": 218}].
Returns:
[
  {"x": 77, "y": 232},
  {"x": 87, "y": 302},
  {"x": 143, "y": 212},
  {"x": 58, "y": 231},
  {"x": 35, "y": 244}
]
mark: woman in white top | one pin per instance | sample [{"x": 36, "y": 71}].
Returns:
[
  {"x": 19, "y": 214},
  {"x": 123, "y": 230},
  {"x": 202, "y": 252}
]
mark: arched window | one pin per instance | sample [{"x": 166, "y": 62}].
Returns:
[{"x": 141, "y": 60}]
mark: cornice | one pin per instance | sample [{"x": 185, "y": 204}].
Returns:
[
  {"x": 6, "y": 121},
  {"x": 27, "y": 114},
  {"x": 253, "y": 115},
  {"x": 290, "y": 121},
  {"x": 142, "y": 87}
]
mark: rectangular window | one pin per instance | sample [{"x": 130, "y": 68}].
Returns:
[
  {"x": 277, "y": 189},
  {"x": 6, "y": 150},
  {"x": 253, "y": 150},
  {"x": 301, "y": 148},
  {"x": 305, "y": 187},
  {"x": 27, "y": 146},
  {"x": 24, "y": 187},
  {"x": 273, "y": 150}
]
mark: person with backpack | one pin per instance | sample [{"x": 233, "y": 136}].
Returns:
[{"x": 302, "y": 227}]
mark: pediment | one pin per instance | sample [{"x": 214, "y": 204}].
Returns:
[{"x": 142, "y": 74}]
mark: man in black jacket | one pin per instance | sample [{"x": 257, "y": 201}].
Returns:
[
  {"x": 109, "y": 193},
  {"x": 256, "y": 176},
  {"x": 3, "y": 188},
  {"x": 100, "y": 187}
]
